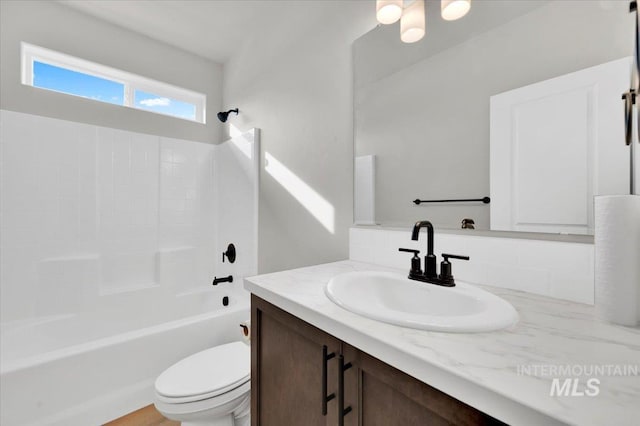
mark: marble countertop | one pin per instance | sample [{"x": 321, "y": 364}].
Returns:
[{"x": 507, "y": 374}]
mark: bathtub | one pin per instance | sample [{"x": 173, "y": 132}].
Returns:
[{"x": 92, "y": 367}]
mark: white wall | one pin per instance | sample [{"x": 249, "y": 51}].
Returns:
[
  {"x": 300, "y": 95},
  {"x": 54, "y": 26}
]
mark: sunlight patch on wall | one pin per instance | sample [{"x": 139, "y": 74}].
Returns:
[
  {"x": 234, "y": 131},
  {"x": 321, "y": 209},
  {"x": 242, "y": 141}
]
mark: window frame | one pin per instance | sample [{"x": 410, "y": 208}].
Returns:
[{"x": 132, "y": 82}]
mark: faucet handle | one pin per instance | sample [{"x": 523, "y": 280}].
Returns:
[
  {"x": 454, "y": 256},
  {"x": 415, "y": 262},
  {"x": 416, "y": 252},
  {"x": 446, "y": 277}
]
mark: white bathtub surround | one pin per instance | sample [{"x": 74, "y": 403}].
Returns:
[
  {"x": 236, "y": 172},
  {"x": 617, "y": 265},
  {"x": 506, "y": 374},
  {"x": 557, "y": 269},
  {"x": 107, "y": 236}
]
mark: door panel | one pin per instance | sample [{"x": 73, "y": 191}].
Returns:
[
  {"x": 389, "y": 397},
  {"x": 554, "y": 145}
]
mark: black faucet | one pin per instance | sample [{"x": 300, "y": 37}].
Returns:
[
  {"x": 430, "y": 274},
  {"x": 430, "y": 259}
]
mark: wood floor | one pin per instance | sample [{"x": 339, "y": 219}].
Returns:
[{"x": 147, "y": 416}]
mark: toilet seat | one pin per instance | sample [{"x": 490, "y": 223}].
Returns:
[{"x": 206, "y": 374}]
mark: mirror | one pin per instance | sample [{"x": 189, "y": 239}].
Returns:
[{"x": 429, "y": 116}]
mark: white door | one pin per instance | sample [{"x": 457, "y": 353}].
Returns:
[{"x": 556, "y": 144}]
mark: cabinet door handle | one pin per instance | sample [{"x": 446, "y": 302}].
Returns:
[
  {"x": 325, "y": 398},
  {"x": 342, "y": 367}
]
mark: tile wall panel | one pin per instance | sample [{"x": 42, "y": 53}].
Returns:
[
  {"x": 551, "y": 268},
  {"x": 91, "y": 214}
]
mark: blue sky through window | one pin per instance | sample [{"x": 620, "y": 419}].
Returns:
[
  {"x": 76, "y": 83},
  {"x": 112, "y": 88},
  {"x": 164, "y": 105}
]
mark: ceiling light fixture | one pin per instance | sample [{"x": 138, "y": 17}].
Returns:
[
  {"x": 388, "y": 11},
  {"x": 412, "y": 22},
  {"x": 412, "y": 15},
  {"x": 454, "y": 9}
]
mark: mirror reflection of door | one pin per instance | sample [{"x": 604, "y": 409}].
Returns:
[
  {"x": 553, "y": 147},
  {"x": 423, "y": 109}
]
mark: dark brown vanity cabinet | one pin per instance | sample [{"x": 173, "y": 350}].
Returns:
[{"x": 295, "y": 376}]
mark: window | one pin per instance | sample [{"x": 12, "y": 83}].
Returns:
[{"x": 51, "y": 70}]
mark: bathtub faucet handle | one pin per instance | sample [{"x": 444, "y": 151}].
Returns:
[{"x": 230, "y": 254}]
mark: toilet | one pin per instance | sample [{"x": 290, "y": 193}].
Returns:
[{"x": 209, "y": 388}]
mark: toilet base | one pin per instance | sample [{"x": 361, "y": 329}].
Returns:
[
  {"x": 235, "y": 411},
  {"x": 242, "y": 421}
]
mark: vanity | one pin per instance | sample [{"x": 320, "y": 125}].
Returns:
[
  {"x": 499, "y": 129},
  {"x": 397, "y": 375},
  {"x": 304, "y": 375}
]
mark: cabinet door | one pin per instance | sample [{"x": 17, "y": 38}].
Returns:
[
  {"x": 287, "y": 369},
  {"x": 382, "y": 395}
]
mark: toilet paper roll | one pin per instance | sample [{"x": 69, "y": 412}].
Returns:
[
  {"x": 617, "y": 258},
  {"x": 246, "y": 331}
]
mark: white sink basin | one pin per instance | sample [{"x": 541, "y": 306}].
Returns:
[{"x": 395, "y": 299}]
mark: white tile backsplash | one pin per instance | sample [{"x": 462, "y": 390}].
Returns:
[{"x": 552, "y": 268}]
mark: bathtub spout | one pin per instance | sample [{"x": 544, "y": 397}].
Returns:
[{"x": 217, "y": 280}]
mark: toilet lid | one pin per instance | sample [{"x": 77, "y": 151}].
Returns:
[{"x": 209, "y": 373}]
